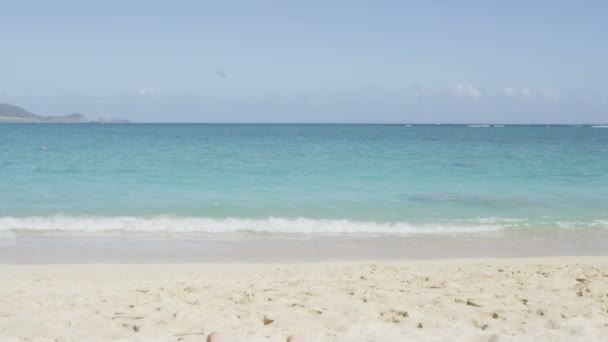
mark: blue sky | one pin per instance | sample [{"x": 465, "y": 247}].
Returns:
[{"x": 308, "y": 61}]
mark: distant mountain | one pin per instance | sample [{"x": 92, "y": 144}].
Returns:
[
  {"x": 7, "y": 110},
  {"x": 14, "y": 114}
]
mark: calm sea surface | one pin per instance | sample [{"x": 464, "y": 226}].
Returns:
[{"x": 302, "y": 178}]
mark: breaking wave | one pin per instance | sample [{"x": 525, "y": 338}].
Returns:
[
  {"x": 219, "y": 225},
  {"x": 175, "y": 224}
]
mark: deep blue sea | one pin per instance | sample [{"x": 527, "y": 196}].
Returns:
[{"x": 302, "y": 178}]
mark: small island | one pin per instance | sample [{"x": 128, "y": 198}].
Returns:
[{"x": 14, "y": 114}]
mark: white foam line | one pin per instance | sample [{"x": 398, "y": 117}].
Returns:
[
  {"x": 176, "y": 224},
  {"x": 217, "y": 225}
]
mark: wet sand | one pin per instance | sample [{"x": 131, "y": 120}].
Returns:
[{"x": 58, "y": 247}]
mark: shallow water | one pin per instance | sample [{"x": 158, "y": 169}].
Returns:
[{"x": 302, "y": 178}]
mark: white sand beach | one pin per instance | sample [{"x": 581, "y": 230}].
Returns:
[{"x": 531, "y": 299}]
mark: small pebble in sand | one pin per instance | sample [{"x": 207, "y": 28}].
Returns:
[
  {"x": 401, "y": 313},
  {"x": 472, "y": 303},
  {"x": 267, "y": 320}
]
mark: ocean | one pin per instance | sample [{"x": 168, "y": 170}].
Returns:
[{"x": 302, "y": 179}]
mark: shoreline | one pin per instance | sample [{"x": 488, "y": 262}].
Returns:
[
  {"x": 516, "y": 299},
  {"x": 167, "y": 248}
]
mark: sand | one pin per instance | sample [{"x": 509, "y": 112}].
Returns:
[{"x": 533, "y": 299}]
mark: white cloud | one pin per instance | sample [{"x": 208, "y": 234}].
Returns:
[
  {"x": 527, "y": 93},
  {"x": 466, "y": 90},
  {"x": 550, "y": 94},
  {"x": 515, "y": 93},
  {"x": 146, "y": 91},
  {"x": 510, "y": 91},
  {"x": 547, "y": 94}
]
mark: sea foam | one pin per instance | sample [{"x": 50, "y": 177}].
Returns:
[{"x": 176, "y": 224}]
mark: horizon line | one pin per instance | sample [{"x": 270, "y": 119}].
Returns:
[{"x": 311, "y": 123}]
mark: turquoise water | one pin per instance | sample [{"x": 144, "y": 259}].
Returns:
[{"x": 302, "y": 178}]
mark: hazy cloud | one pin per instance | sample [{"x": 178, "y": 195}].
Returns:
[
  {"x": 510, "y": 92},
  {"x": 369, "y": 103},
  {"x": 547, "y": 94},
  {"x": 146, "y": 91},
  {"x": 467, "y": 91},
  {"x": 527, "y": 93},
  {"x": 550, "y": 94}
]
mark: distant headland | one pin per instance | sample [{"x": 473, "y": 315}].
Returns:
[{"x": 14, "y": 114}]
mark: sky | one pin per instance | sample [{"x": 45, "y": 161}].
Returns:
[{"x": 308, "y": 61}]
